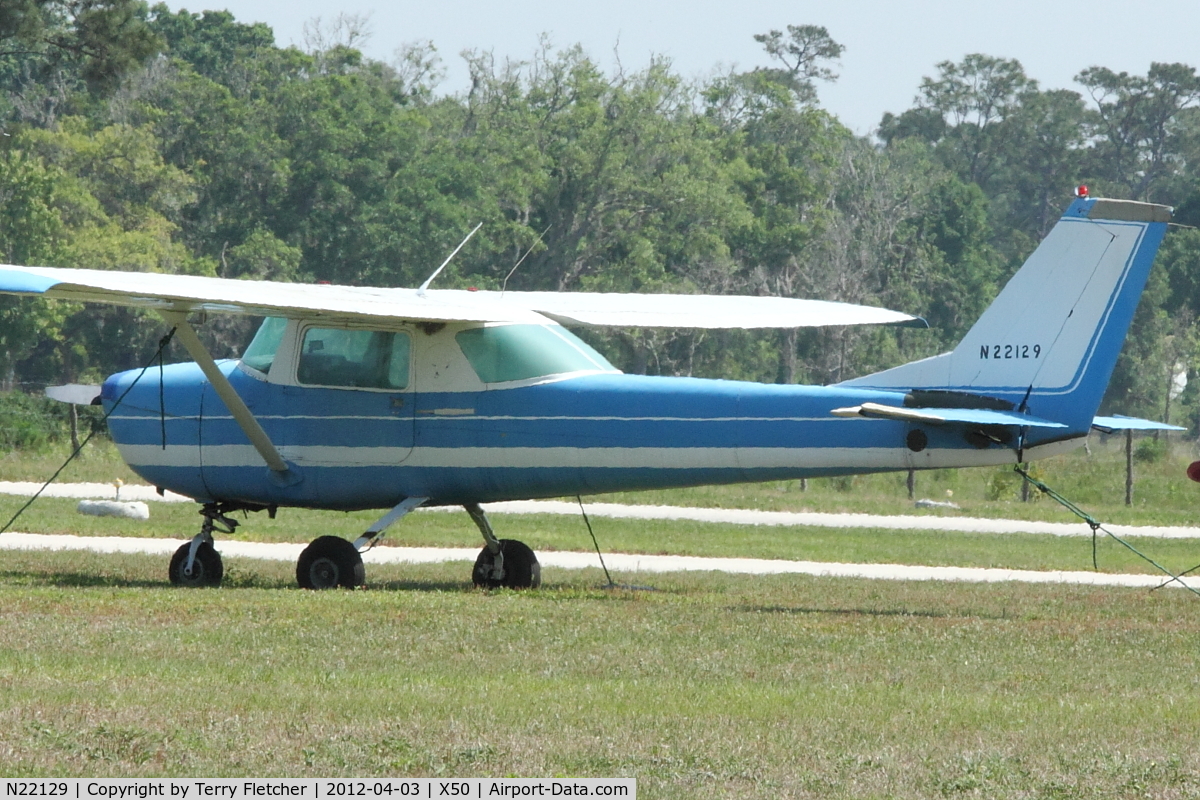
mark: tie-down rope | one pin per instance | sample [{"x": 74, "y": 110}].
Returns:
[
  {"x": 157, "y": 357},
  {"x": 1095, "y": 525}
]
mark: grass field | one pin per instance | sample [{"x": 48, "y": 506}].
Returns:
[
  {"x": 710, "y": 687},
  {"x": 703, "y": 686}
]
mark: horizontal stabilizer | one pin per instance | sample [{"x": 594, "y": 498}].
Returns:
[
  {"x": 360, "y": 304},
  {"x": 1121, "y": 423},
  {"x": 943, "y": 416},
  {"x": 77, "y": 393}
]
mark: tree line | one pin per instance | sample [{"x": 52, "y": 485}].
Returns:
[{"x": 139, "y": 138}]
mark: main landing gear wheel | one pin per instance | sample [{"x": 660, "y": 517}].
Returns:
[
  {"x": 521, "y": 567},
  {"x": 207, "y": 568},
  {"x": 329, "y": 562}
]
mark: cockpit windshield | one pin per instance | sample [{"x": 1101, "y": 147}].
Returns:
[
  {"x": 261, "y": 352},
  {"x": 503, "y": 353}
]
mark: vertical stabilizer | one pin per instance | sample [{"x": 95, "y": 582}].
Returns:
[{"x": 1051, "y": 338}]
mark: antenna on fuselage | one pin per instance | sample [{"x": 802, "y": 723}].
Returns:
[{"x": 436, "y": 272}]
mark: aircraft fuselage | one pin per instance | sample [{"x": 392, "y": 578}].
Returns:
[{"x": 583, "y": 434}]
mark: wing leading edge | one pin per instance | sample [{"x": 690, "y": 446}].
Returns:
[{"x": 355, "y": 304}]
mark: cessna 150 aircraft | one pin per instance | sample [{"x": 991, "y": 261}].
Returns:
[{"x": 360, "y": 398}]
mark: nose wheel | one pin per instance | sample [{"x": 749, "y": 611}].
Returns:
[
  {"x": 503, "y": 563},
  {"x": 520, "y": 567},
  {"x": 197, "y": 563},
  {"x": 207, "y": 569}
]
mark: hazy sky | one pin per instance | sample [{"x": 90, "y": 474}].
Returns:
[{"x": 890, "y": 44}]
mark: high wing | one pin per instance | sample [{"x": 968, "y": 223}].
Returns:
[
  {"x": 698, "y": 310},
  {"x": 351, "y": 304}
]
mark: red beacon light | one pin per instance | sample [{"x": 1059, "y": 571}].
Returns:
[{"x": 1081, "y": 190}]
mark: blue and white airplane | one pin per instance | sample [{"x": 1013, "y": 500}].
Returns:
[{"x": 359, "y": 398}]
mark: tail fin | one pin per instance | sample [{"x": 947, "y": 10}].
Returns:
[{"x": 1050, "y": 340}]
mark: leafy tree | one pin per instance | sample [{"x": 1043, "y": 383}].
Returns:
[
  {"x": 1139, "y": 382},
  {"x": 110, "y": 199},
  {"x": 975, "y": 98},
  {"x": 1045, "y": 160},
  {"x": 212, "y": 43},
  {"x": 230, "y": 146},
  {"x": 357, "y": 178},
  {"x": 961, "y": 269},
  {"x": 868, "y": 252},
  {"x": 101, "y": 40},
  {"x": 739, "y": 97},
  {"x": 32, "y": 231},
  {"x": 630, "y": 192},
  {"x": 262, "y": 257},
  {"x": 991, "y": 126},
  {"x": 1180, "y": 259},
  {"x": 1136, "y": 125},
  {"x": 802, "y": 54}
]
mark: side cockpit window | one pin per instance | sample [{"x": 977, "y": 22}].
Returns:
[
  {"x": 354, "y": 358},
  {"x": 260, "y": 354},
  {"x": 503, "y": 353}
]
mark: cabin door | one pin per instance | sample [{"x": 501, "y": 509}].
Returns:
[{"x": 344, "y": 419}]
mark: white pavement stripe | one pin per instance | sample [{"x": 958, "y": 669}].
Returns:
[
  {"x": 730, "y": 516},
  {"x": 618, "y": 562},
  {"x": 103, "y": 491},
  {"x": 811, "y": 519}
]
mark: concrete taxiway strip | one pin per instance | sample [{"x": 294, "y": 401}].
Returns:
[
  {"x": 98, "y": 491},
  {"x": 624, "y": 564},
  {"x": 822, "y": 520},
  {"x": 719, "y": 515}
]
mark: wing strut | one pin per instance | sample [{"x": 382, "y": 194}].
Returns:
[{"x": 241, "y": 414}]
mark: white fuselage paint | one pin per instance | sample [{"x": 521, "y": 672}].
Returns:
[{"x": 665, "y": 458}]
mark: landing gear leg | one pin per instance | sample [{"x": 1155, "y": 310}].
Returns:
[
  {"x": 197, "y": 563},
  {"x": 503, "y": 562},
  {"x": 376, "y": 531}
]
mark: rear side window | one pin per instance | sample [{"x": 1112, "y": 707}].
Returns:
[
  {"x": 354, "y": 358},
  {"x": 519, "y": 352}
]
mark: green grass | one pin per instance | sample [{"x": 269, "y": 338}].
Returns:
[
  {"x": 711, "y": 687},
  {"x": 705, "y": 686},
  {"x": 98, "y": 462}
]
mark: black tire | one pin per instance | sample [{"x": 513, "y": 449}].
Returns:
[
  {"x": 521, "y": 567},
  {"x": 329, "y": 562},
  {"x": 207, "y": 569}
]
